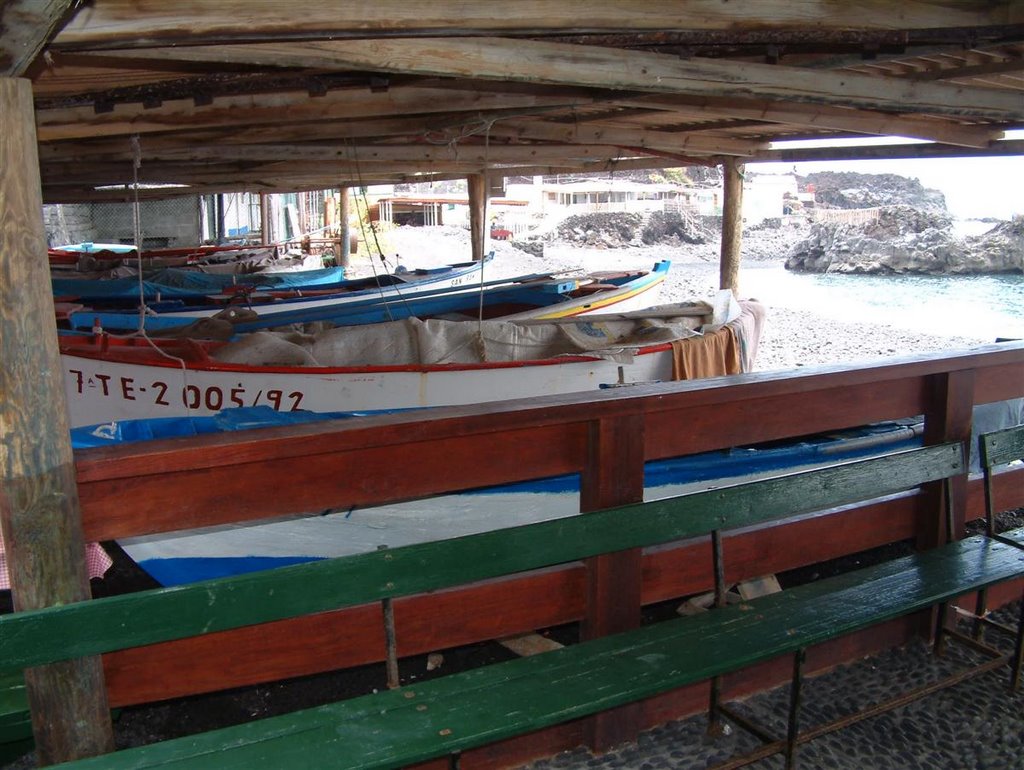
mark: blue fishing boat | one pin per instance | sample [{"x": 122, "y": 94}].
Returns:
[
  {"x": 456, "y": 290},
  {"x": 175, "y": 298},
  {"x": 197, "y": 286}
]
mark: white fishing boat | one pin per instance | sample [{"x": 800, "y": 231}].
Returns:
[{"x": 398, "y": 365}]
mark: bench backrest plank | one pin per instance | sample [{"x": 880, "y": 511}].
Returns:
[
  {"x": 1002, "y": 446},
  {"x": 120, "y": 622}
]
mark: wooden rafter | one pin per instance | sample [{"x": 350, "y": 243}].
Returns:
[
  {"x": 26, "y": 27},
  {"x": 111, "y": 22},
  {"x": 271, "y": 109},
  {"x": 827, "y": 117},
  {"x": 260, "y": 95},
  {"x": 63, "y": 190},
  {"x": 654, "y": 140},
  {"x": 589, "y": 66},
  {"x": 892, "y": 152}
]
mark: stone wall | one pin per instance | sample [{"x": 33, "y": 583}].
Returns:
[
  {"x": 164, "y": 224},
  {"x": 68, "y": 223},
  {"x": 169, "y": 223}
]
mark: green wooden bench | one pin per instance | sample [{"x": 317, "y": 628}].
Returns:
[
  {"x": 446, "y": 716},
  {"x": 15, "y": 725},
  {"x": 996, "y": 449}
]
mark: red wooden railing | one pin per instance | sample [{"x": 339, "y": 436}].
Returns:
[{"x": 162, "y": 486}]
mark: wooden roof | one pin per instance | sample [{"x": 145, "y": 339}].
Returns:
[{"x": 263, "y": 95}]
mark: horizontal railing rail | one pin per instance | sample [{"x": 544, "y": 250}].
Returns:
[{"x": 228, "y": 478}]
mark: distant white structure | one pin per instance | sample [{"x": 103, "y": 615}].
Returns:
[
  {"x": 765, "y": 195},
  {"x": 525, "y": 205},
  {"x": 608, "y": 195}
]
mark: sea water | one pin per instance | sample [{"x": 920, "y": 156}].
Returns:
[{"x": 978, "y": 306}]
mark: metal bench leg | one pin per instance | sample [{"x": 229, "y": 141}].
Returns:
[
  {"x": 455, "y": 761},
  {"x": 390, "y": 639},
  {"x": 388, "y": 611},
  {"x": 939, "y": 647},
  {"x": 1018, "y": 656},
  {"x": 980, "y": 608},
  {"x": 718, "y": 564},
  {"x": 714, "y": 715},
  {"x": 792, "y": 729}
]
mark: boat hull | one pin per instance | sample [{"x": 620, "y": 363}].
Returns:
[
  {"x": 101, "y": 390},
  {"x": 457, "y": 290},
  {"x": 195, "y": 555},
  {"x": 462, "y": 277}
]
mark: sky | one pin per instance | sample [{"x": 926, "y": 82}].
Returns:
[{"x": 974, "y": 187}]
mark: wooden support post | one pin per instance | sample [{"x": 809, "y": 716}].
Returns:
[
  {"x": 222, "y": 231},
  {"x": 40, "y": 517},
  {"x": 265, "y": 226},
  {"x": 732, "y": 224},
  {"x": 344, "y": 257},
  {"x": 478, "y": 215},
  {"x": 613, "y": 475},
  {"x": 947, "y": 419}
]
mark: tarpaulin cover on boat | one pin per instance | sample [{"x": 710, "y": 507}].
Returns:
[{"x": 413, "y": 341}]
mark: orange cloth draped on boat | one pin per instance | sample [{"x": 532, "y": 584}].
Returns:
[{"x": 711, "y": 355}]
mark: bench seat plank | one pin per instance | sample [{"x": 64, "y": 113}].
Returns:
[
  {"x": 477, "y": 707},
  {"x": 1016, "y": 535}
]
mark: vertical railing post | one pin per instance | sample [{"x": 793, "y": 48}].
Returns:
[
  {"x": 948, "y": 419},
  {"x": 613, "y": 475},
  {"x": 951, "y": 404},
  {"x": 40, "y": 517}
]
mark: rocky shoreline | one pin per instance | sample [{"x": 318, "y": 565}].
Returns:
[{"x": 905, "y": 240}]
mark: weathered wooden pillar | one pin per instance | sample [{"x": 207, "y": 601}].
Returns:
[
  {"x": 221, "y": 208},
  {"x": 613, "y": 475},
  {"x": 478, "y": 215},
  {"x": 344, "y": 230},
  {"x": 732, "y": 224},
  {"x": 39, "y": 513},
  {"x": 265, "y": 226}
]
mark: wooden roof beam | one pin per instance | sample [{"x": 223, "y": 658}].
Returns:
[
  {"x": 78, "y": 193},
  {"x": 344, "y": 156},
  {"x": 664, "y": 141},
  {"x": 1007, "y": 66},
  {"x": 68, "y": 181},
  {"x": 27, "y": 26},
  {"x": 437, "y": 127},
  {"x": 891, "y": 152},
  {"x": 277, "y": 109},
  {"x": 148, "y": 22},
  {"x": 279, "y": 178},
  {"x": 589, "y": 66},
  {"x": 826, "y": 117}
]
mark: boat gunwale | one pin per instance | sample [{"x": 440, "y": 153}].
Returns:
[{"x": 209, "y": 364}]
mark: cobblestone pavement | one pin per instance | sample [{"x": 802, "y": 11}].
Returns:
[{"x": 975, "y": 724}]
